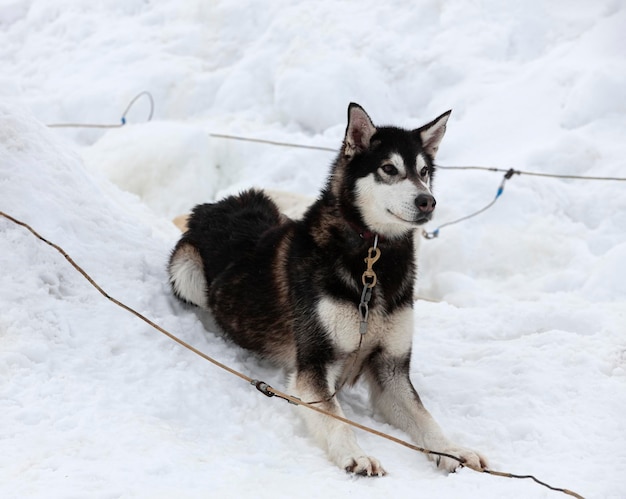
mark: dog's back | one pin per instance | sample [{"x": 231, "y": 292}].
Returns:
[{"x": 229, "y": 230}]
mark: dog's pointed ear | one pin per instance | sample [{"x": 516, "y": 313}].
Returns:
[
  {"x": 431, "y": 133},
  {"x": 359, "y": 130}
]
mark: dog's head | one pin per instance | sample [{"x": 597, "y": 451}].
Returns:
[{"x": 389, "y": 171}]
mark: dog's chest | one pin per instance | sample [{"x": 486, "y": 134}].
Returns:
[{"x": 342, "y": 322}]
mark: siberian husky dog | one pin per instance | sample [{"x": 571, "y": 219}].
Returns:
[{"x": 329, "y": 296}]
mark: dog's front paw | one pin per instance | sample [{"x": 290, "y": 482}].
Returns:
[
  {"x": 365, "y": 466},
  {"x": 469, "y": 459}
]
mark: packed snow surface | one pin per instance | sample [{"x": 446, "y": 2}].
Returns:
[{"x": 522, "y": 352}]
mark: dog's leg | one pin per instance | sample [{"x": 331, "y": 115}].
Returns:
[
  {"x": 187, "y": 274},
  {"x": 396, "y": 399},
  {"x": 335, "y": 437}
]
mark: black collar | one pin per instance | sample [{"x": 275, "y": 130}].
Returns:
[{"x": 365, "y": 234}]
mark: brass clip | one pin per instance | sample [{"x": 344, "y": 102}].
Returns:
[{"x": 369, "y": 276}]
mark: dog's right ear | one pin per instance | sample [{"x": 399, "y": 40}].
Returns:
[
  {"x": 431, "y": 133},
  {"x": 359, "y": 130}
]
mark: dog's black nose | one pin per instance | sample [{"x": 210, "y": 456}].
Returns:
[{"x": 425, "y": 203}]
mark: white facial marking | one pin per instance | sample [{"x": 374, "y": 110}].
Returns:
[
  {"x": 388, "y": 207},
  {"x": 420, "y": 164}
]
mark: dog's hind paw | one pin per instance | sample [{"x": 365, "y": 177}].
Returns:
[
  {"x": 469, "y": 458},
  {"x": 364, "y": 466}
]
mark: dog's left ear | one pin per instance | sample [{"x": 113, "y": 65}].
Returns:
[
  {"x": 431, "y": 133},
  {"x": 359, "y": 130}
]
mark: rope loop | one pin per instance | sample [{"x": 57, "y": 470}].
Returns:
[{"x": 123, "y": 120}]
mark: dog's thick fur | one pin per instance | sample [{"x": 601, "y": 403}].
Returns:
[{"x": 290, "y": 290}]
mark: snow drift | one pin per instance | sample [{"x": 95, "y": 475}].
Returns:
[{"x": 522, "y": 355}]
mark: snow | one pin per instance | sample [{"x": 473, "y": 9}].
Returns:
[{"x": 522, "y": 355}]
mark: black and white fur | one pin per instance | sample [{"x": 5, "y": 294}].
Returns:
[{"x": 289, "y": 290}]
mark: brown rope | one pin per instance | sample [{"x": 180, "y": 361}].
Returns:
[
  {"x": 268, "y": 390},
  {"x": 123, "y": 305}
]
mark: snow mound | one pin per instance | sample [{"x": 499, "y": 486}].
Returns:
[{"x": 523, "y": 356}]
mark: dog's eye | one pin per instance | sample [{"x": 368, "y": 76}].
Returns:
[
  {"x": 424, "y": 172},
  {"x": 389, "y": 169}
]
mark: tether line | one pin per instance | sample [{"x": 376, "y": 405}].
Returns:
[
  {"x": 271, "y": 142},
  {"x": 534, "y": 174},
  {"x": 113, "y": 125},
  {"x": 264, "y": 387},
  {"x": 293, "y": 145}
]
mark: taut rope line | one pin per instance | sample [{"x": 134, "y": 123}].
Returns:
[
  {"x": 264, "y": 387},
  {"x": 317, "y": 148}
]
